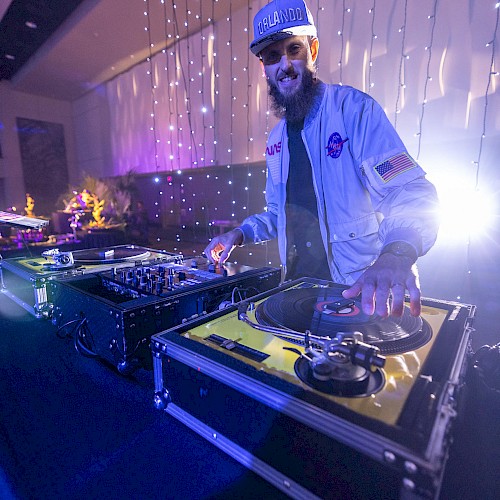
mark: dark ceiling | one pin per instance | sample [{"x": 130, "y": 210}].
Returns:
[
  {"x": 18, "y": 41},
  {"x": 80, "y": 44}
]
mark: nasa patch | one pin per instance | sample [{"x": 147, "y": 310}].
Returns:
[{"x": 335, "y": 145}]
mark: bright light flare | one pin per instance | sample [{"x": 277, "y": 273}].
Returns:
[{"x": 465, "y": 211}]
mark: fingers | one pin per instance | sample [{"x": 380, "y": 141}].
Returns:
[
  {"x": 215, "y": 251},
  {"x": 210, "y": 252},
  {"x": 384, "y": 297},
  {"x": 219, "y": 249},
  {"x": 224, "y": 255},
  {"x": 368, "y": 296},
  {"x": 398, "y": 299},
  {"x": 352, "y": 292},
  {"x": 415, "y": 300}
]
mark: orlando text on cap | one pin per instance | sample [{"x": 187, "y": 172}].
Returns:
[{"x": 280, "y": 19}]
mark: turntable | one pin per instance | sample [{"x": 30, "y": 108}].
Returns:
[
  {"x": 27, "y": 280},
  {"x": 305, "y": 389}
]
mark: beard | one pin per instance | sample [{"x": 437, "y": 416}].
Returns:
[{"x": 294, "y": 107}]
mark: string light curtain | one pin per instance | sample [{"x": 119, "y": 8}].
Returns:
[{"x": 423, "y": 61}]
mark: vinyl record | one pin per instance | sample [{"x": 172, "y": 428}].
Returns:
[
  {"x": 110, "y": 255},
  {"x": 324, "y": 312}
]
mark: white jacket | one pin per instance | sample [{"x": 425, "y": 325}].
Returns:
[{"x": 369, "y": 191}]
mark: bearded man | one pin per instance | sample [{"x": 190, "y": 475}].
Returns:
[{"x": 344, "y": 198}]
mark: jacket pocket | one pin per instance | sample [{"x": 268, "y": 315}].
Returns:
[{"x": 355, "y": 244}]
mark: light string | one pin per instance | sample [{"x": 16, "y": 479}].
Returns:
[
  {"x": 401, "y": 84},
  {"x": 170, "y": 89},
  {"x": 373, "y": 37},
  {"x": 428, "y": 77},
  {"x": 150, "y": 73},
  {"x": 215, "y": 194},
  {"x": 204, "y": 109},
  {"x": 491, "y": 73},
  {"x": 170, "y": 53},
  {"x": 477, "y": 163},
  {"x": 187, "y": 85},
  {"x": 214, "y": 49},
  {"x": 317, "y": 22},
  {"x": 247, "y": 107},
  {"x": 341, "y": 34},
  {"x": 174, "y": 54},
  {"x": 231, "y": 107},
  {"x": 202, "y": 91},
  {"x": 187, "y": 82},
  {"x": 154, "y": 102}
]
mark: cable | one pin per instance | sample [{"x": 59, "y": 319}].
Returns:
[
  {"x": 79, "y": 330},
  {"x": 66, "y": 325},
  {"x": 487, "y": 367},
  {"x": 84, "y": 342}
]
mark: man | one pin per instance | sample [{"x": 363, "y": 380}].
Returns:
[{"x": 344, "y": 197}]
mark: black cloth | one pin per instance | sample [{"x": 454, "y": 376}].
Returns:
[
  {"x": 305, "y": 250},
  {"x": 72, "y": 428}
]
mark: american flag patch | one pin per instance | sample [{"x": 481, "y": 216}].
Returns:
[{"x": 394, "y": 166}]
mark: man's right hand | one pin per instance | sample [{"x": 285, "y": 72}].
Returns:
[{"x": 221, "y": 246}]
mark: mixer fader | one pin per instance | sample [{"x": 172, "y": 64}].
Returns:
[
  {"x": 121, "y": 307},
  {"x": 166, "y": 277}
]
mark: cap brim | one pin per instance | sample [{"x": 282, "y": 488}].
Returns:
[{"x": 257, "y": 46}]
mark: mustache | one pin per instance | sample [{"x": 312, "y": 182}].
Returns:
[{"x": 287, "y": 72}]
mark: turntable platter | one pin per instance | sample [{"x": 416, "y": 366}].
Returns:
[
  {"x": 362, "y": 384},
  {"x": 324, "y": 312},
  {"x": 111, "y": 255}
]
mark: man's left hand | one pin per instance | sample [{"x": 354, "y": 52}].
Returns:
[{"x": 389, "y": 276}]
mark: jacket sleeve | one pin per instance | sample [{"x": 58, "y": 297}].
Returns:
[
  {"x": 263, "y": 226},
  {"x": 397, "y": 186}
]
